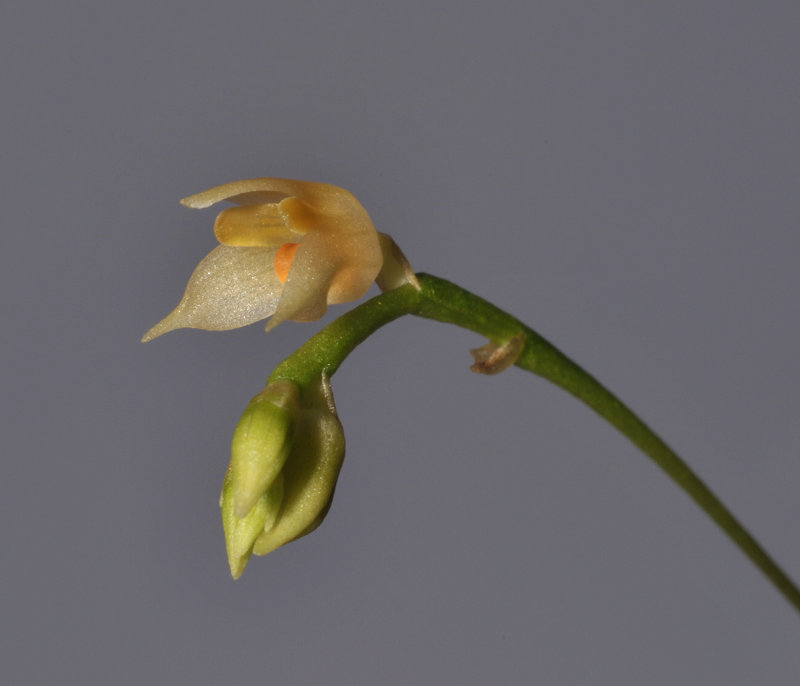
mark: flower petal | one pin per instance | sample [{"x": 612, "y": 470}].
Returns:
[
  {"x": 336, "y": 262},
  {"x": 254, "y": 226},
  {"x": 246, "y": 192},
  {"x": 270, "y": 190},
  {"x": 305, "y": 294},
  {"x": 231, "y": 287}
]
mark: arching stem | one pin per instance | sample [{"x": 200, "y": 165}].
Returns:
[{"x": 443, "y": 301}]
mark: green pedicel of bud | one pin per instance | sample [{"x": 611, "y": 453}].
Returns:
[
  {"x": 241, "y": 533},
  {"x": 261, "y": 443},
  {"x": 311, "y": 471}
]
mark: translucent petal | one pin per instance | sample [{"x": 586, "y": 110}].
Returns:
[
  {"x": 269, "y": 190},
  {"x": 246, "y": 192},
  {"x": 337, "y": 262},
  {"x": 231, "y": 287},
  {"x": 253, "y": 226},
  {"x": 359, "y": 262},
  {"x": 305, "y": 294}
]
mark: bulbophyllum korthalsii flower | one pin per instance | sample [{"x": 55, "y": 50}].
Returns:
[
  {"x": 288, "y": 250},
  {"x": 285, "y": 459}
]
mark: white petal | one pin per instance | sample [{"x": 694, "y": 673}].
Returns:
[{"x": 231, "y": 287}]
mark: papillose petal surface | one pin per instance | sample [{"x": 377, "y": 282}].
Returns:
[{"x": 231, "y": 287}]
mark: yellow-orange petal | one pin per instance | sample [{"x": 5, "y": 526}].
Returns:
[
  {"x": 253, "y": 226},
  {"x": 301, "y": 217}
]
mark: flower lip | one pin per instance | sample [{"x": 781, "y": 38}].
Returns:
[{"x": 283, "y": 260}]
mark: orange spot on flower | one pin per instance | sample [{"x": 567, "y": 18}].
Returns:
[{"x": 283, "y": 260}]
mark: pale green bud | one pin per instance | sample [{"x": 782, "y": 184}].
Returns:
[
  {"x": 286, "y": 455},
  {"x": 241, "y": 533},
  {"x": 261, "y": 443},
  {"x": 311, "y": 471}
]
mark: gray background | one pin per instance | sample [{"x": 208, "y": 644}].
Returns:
[{"x": 622, "y": 176}]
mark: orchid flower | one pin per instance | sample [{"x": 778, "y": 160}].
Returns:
[{"x": 288, "y": 250}]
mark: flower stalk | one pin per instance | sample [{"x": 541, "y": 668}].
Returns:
[{"x": 443, "y": 301}]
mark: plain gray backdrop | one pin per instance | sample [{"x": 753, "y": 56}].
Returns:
[{"x": 622, "y": 176}]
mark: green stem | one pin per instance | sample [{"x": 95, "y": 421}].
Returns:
[{"x": 445, "y": 302}]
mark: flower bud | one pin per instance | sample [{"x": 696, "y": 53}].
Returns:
[
  {"x": 241, "y": 533},
  {"x": 261, "y": 443},
  {"x": 286, "y": 455},
  {"x": 311, "y": 471}
]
